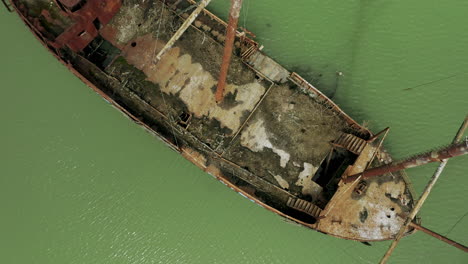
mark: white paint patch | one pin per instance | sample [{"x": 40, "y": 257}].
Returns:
[
  {"x": 309, "y": 187},
  {"x": 282, "y": 182},
  {"x": 256, "y": 139},
  {"x": 386, "y": 224},
  {"x": 283, "y": 155},
  {"x": 383, "y": 220},
  {"x": 197, "y": 91}
]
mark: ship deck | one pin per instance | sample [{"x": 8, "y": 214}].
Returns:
[
  {"x": 276, "y": 131},
  {"x": 270, "y": 137}
]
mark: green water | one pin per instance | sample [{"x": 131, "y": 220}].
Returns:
[{"x": 80, "y": 183}]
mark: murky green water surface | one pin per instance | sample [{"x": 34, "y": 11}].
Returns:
[{"x": 79, "y": 183}]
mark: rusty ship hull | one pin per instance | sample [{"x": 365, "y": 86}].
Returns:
[{"x": 275, "y": 138}]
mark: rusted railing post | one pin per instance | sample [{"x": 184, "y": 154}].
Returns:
[{"x": 234, "y": 13}]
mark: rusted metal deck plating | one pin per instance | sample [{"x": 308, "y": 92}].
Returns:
[{"x": 270, "y": 139}]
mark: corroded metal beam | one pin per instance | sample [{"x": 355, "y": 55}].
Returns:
[
  {"x": 182, "y": 28},
  {"x": 453, "y": 150},
  {"x": 439, "y": 236},
  {"x": 230, "y": 36}
]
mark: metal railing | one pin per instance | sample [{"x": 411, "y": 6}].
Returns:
[{"x": 296, "y": 78}]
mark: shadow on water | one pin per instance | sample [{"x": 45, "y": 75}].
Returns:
[{"x": 327, "y": 81}]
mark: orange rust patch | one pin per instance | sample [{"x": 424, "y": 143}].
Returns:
[{"x": 108, "y": 33}]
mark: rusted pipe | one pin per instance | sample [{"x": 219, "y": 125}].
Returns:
[
  {"x": 234, "y": 13},
  {"x": 453, "y": 150}
]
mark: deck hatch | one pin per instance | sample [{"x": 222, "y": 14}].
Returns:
[{"x": 100, "y": 52}]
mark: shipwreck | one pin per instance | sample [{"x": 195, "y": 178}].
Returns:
[{"x": 206, "y": 89}]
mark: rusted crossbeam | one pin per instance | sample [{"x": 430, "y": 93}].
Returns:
[
  {"x": 453, "y": 150},
  {"x": 234, "y": 13}
]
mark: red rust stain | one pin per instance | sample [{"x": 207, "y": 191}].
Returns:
[
  {"x": 70, "y": 3},
  {"x": 109, "y": 33},
  {"x": 78, "y": 36},
  {"x": 47, "y": 16}
]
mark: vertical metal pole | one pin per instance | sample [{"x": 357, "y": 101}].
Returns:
[
  {"x": 230, "y": 36},
  {"x": 183, "y": 28},
  {"x": 423, "y": 197}
]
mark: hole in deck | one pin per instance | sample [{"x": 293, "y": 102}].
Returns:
[
  {"x": 97, "y": 24},
  {"x": 134, "y": 44},
  {"x": 329, "y": 173},
  {"x": 184, "y": 119},
  {"x": 100, "y": 52},
  {"x": 78, "y": 6}
]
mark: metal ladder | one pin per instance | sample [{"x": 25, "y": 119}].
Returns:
[
  {"x": 350, "y": 142},
  {"x": 304, "y": 206}
]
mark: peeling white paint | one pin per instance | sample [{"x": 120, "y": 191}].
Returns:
[
  {"x": 309, "y": 187},
  {"x": 256, "y": 139},
  {"x": 381, "y": 220},
  {"x": 283, "y": 155},
  {"x": 379, "y": 215},
  {"x": 200, "y": 99},
  {"x": 282, "y": 182}
]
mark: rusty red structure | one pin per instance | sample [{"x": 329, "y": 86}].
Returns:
[
  {"x": 230, "y": 37},
  {"x": 89, "y": 17}
]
